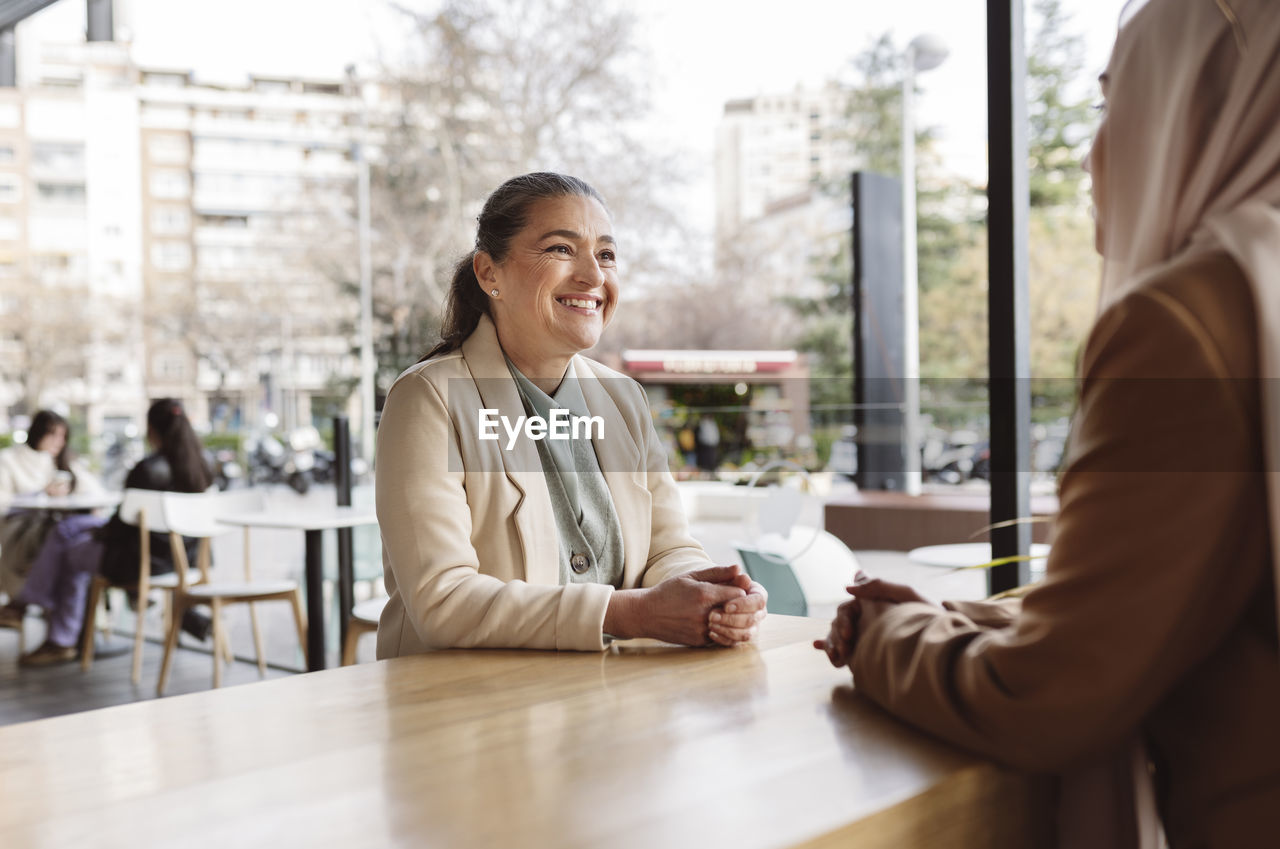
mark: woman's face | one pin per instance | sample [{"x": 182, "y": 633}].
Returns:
[
  {"x": 558, "y": 285},
  {"x": 1094, "y": 164},
  {"x": 54, "y": 441}
]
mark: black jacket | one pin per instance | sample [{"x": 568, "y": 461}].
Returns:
[{"x": 121, "y": 546}]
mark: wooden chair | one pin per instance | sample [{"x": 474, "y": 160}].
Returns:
[
  {"x": 364, "y": 620},
  {"x": 22, "y": 636},
  {"x": 196, "y": 515},
  {"x": 143, "y": 509}
]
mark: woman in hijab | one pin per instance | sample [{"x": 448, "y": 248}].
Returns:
[{"x": 1157, "y": 615}]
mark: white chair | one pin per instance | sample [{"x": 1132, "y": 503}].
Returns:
[
  {"x": 823, "y": 565},
  {"x": 196, "y": 515},
  {"x": 364, "y": 620},
  {"x": 143, "y": 509}
]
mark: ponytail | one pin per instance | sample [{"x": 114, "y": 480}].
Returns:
[
  {"x": 465, "y": 304},
  {"x": 180, "y": 446}
]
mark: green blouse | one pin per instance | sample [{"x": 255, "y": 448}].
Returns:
[{"x": 587, "y": 524}]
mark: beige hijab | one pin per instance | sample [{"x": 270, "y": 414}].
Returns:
[{"x": 1191, "y": 163}]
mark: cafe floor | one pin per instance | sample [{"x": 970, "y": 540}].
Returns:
[{"x": 30, "y": 694}]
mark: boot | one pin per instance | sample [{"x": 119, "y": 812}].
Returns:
[{"x": 197, "y": 624}]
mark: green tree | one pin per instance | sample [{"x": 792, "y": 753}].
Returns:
[
  {"x": 948, "y": 228},
  {"x": 1060, "y": 120},
  {"x": 1063, "y": 266},
  {"x": 827, "y": 336},
  {"x": 951, "y": 231}
]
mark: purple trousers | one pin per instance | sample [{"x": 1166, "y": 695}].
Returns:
[{"x": 60, "y": 576}]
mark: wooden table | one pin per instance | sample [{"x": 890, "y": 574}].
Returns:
[
  {"x": 642, "y": 746},
  {"x": 314, "y": 522}
]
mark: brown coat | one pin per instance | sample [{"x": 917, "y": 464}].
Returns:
[{"x": 1157, "y": 613}]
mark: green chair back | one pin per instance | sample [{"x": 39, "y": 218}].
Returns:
[{"x": 775, "y": 574}]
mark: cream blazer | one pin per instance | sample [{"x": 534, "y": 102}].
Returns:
[{"x": 469, "y": 540}]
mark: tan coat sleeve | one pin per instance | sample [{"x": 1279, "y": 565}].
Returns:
[
  {"x": 988, "y": 614},
  {"x": 426, "y": 528},
  {"x": 1140, "y": 585}
]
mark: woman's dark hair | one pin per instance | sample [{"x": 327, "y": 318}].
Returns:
[
  {"x": 44, "y": 423},
  {"x": 503, "y": 216},
  {"x": 180, "y": 446}
]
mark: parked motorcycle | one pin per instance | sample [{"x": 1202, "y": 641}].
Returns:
[
  {"x": 226, "y": 468},
  {"x": 950, "y": 457},
  {"x": 272, "y": 461}
]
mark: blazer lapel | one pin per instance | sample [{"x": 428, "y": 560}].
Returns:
[
  {"x": 622, "y": 462},
  {"x": 534, "y": 519}
]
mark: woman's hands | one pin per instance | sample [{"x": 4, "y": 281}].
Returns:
[
  {"x": 739, "y": 620},
  {"x": 680, "y": 609},
  {"x": 871, "y": 597}
]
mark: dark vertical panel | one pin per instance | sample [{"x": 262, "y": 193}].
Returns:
[
  {"x": 8, "y": 58},
  {"x": 877, "y": 331},
  {"x": 346, "y": 545},
  {"x": 315, "y": 599},
  {"x": 1007, "y": 297},
  {"x": 100, "y": 27}
]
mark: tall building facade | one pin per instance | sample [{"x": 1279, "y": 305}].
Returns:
[
  {"x": 775, "y": 156},
  {"x": 157, "y": 238},
  {"x": 239, "y": 185},
  {"x": 70, "y": 279}
]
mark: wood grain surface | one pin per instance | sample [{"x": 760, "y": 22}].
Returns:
[{"x": 645, "y": 745}]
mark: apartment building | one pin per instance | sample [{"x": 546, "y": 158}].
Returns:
[
  {"x": 158, "y": 237},
  {"x": 69, "y": 238},
  {"x": 241, "y": 185},
  {"x": 774, "y": 153},
  {"x": 774, "y": 148}
]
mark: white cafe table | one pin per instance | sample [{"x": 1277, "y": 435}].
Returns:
[
  {"x": 965, "y": 554},
  {"x": 643, "y": 746},
  {"x": 74, "y": 503},
  {"x": 313, "y": 522}
]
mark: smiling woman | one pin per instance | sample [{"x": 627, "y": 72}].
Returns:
[
  {"x": 532, "y": 542},
  {"x": 556, "y": 291}
]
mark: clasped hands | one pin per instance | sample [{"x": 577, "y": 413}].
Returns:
[
  {"x": 871, "y": 597},
  {"x": 716, "y": 606},
  {"x": 738, "y": 618}
]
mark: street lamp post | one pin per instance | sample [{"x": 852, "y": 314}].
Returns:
[
  {"x": 366, "y": 281},
  {"x": 924, "y": 53}
]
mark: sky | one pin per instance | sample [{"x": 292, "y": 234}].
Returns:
[{"x": 704, "y": 53}]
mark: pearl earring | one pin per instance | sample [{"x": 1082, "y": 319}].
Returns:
[{"x": 493, "y": 292}]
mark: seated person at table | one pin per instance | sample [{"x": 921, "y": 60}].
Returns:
[
  {"x": 519, "y": 542},
  {"x": 43, "y": 464},
  {"x": 1156, "y": 621},
  {"x": 82, "y": 545}
]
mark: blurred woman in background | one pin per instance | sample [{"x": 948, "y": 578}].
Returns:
[
  {"x": 43, "y": 464},
  {"x": 82, "y": 545}
]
